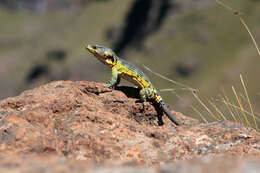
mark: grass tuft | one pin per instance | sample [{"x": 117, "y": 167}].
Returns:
[{"x": 227, "y": 111}]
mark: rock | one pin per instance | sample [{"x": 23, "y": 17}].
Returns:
[
  {"x": 61, "y": 165},
  {"x": 69, "y": 121}
]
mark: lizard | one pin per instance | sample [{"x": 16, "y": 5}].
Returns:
[{"x": 124, "y": 69}]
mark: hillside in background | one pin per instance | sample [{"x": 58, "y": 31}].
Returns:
[{"x": 197, "y": 43}]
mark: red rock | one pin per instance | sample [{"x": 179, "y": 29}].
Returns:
[{"x": 87, "y": 121}]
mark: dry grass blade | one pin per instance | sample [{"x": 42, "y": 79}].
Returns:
[
  {"x": 168, "y": 79},
  {"x": 200, "y": 114},
  {"x": 241, "y": 106},
  {"x": 226, "y": 99},
  {"x": 212, "y": 104},
  {"x": 237, "y": 108},
  {"x": 192, "y": 107},
  {"x": 174, "y": 89},
  {"x": 204, "y": 105},
  {"x": 236, "y": 13},
  {"x": 217, "y": 110},
  {"x": 249, "y": 102}
]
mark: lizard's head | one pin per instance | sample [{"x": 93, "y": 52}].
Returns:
[{"x": 104, "y": 54}]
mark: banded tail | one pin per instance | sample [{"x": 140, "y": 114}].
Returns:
[{"x": 168, "y": 113}]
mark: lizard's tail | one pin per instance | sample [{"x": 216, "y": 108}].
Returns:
[{"x": 167, "y": 111}]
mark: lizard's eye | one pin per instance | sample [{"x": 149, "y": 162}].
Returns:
[{"x": 110, "y": 57}]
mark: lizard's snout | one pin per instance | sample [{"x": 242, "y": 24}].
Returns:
[{"x": 90, "y": 48}]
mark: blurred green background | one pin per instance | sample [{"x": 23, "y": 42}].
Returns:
[{"x": 195, "y": 42}]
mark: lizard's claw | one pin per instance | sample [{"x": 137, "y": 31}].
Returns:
[
  {"x": 145, "y": 104},
  {"x": 108, "y": 85}
]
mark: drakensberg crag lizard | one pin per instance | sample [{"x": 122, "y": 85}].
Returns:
[{"x": 121, "y": 68}]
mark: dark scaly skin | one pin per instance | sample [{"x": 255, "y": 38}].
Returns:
[{"x": 123, "y": 69}]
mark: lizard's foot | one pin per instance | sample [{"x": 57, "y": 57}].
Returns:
[
  {"x": 145, "y": 104},
  {"x": 160, "y": 120},
  {"x": 109, "y": 85},
  {"x": 160, "y": 123}
]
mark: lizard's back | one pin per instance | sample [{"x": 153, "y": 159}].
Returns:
[{"x": 133, "y": 74}]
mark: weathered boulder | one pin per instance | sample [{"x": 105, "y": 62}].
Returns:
[{"x": 87, "y": 121}]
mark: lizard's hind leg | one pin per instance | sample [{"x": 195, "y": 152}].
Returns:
[{"x": 146, "y": 93}]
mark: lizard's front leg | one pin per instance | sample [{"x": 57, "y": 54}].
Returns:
[{"x": 115, "y": 79}]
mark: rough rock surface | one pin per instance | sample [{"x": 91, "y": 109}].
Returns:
[{"x": 66, "y": 123}]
